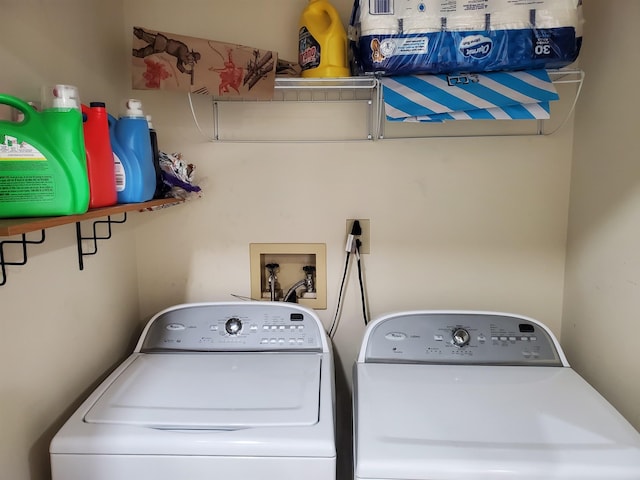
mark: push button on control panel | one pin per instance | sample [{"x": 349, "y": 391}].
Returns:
[
  {"x": 175, "y": 326},
  {"x": 396, "y": 336}
]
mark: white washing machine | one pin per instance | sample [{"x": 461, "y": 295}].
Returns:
[
  {"x": 476, "y": 395},
  {"x": 233, "y": 391}
]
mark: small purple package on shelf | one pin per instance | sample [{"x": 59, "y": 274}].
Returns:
[{"x": 178, "y": 175}]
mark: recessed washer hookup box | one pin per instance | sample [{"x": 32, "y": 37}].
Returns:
[{"x": 167, "y": 61}]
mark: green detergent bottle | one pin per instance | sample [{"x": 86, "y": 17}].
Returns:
[{"x": 43, "y": 169}]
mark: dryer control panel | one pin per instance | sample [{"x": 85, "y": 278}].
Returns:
[
  {"x": 460, "y": 338},
  {"x": 250, "y": 326}
]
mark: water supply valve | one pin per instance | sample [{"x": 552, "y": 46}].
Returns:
[
  {"x": 309, "y": 281},
  {"x": 275, "y": 292}
]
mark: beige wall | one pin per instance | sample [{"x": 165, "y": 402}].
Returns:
[
  {"x": 602, "y": 298},
  {"x": 455, "y": 223},
  {"x": 61, "y": 328}
]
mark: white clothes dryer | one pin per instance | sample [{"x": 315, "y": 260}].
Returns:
[
  {"x": 479, "y": 395},
  {"x": 234, "y": 391}
]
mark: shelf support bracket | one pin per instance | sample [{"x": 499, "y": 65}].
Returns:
[
  {"x": 95, "y": 237},
  {"x": 24, "y": 242}
]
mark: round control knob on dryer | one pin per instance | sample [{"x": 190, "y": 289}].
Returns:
[
  {"x": 460, "y": 337},
  {"x": 233, "y": 326}
]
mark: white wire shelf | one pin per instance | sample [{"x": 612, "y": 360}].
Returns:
[
  {"x": 562, "y": 78},
  {"x": 359, "y": 90},
  {"x": 367, "y": 90}
]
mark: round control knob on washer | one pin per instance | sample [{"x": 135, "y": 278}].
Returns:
[
  {"x": 460, "y": 337},
  {"x": 233, "y": 326}
]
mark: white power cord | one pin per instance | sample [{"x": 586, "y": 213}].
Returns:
[{"x": 195, "y": 120}]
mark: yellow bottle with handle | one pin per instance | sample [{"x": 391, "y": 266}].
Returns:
[{"x": 322, "y": 41}]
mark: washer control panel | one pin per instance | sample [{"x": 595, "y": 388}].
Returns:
[
  {"x": 237, "y": 327},
  {"x": 460, "y": 338}
]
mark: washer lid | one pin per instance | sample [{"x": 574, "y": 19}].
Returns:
[
  {"x": 479, "y": 422},
  {"x": 213, "y": 391}
]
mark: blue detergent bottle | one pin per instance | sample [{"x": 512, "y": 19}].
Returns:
[{"x": 132, "y": 154}]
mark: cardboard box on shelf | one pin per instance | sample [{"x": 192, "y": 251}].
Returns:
[{"x": 166, "y": 61}]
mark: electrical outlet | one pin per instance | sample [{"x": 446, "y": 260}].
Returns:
[{"x": 365, "y": 237}]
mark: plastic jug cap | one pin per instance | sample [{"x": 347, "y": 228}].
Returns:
[
  {"x": 61, "y": 97},
  {"x": 134, "y": 108}
]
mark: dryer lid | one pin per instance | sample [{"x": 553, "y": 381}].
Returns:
[
  {"x": 479, "y": 422},
  {"x": 213, "y": 391}
]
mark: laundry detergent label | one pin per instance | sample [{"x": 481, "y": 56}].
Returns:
[
  {"x": 308, "y": 50},
  {"x": 26, "y": 188},
  {"x": 121, "y": 178},
  {"x": 14, "y": 150},
  {"x": 24, "y": 173}
]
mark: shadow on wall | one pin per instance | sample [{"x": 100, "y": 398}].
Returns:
[
  {"x": 610, "y": 139},
  {"x": 344, "y": 421},
  {"x": 39, "y": 460}
]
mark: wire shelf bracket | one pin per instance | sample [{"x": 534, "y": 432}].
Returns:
[
  {"x": 23, "y": 242},
  {"x": 95, "y": 237}
]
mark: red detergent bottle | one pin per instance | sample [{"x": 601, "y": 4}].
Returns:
[{"x": 100, "y": 166}]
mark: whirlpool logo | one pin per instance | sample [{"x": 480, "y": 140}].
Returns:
[{"x": 476, "y": 46}]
